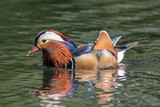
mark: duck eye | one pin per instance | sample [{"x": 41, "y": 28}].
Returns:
[{"x": 44, "y": 40}]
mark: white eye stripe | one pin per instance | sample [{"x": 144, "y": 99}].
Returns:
[{"x": 51, "y": 36}]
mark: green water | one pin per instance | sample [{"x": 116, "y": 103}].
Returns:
[{"x": 25, "y": 82}]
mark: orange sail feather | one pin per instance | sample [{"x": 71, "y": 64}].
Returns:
[{"x": 104, "y": 42}]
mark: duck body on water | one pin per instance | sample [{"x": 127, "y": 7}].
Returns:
[{"x": 60, "y": 52}]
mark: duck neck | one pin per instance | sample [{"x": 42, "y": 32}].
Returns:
[{"x": 57, "y": 55}]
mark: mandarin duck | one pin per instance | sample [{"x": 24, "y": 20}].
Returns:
[{"x": 60, "y": 52}]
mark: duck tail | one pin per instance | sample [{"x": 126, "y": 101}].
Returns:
[
  {"x": 115, "y": 40},
  {"x": 127, "y": 47},
  {"x": 121, "y": 50}
]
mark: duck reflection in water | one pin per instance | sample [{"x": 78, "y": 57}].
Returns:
[
  {"x": 56, "y": 85},
  {"x": 105, "y": 80},
  {"x": 60, "y": 83}
]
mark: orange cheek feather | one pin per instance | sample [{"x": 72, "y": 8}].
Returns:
[
  {"x": 42, "y": 45},
  {"x": 55, "y": 54}
]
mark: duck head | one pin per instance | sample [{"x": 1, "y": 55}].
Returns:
[{"x": 57, "y": 50}]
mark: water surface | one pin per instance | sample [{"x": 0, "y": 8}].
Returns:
[{"x": 26, "y": 82}]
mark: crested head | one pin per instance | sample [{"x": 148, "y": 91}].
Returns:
[
  {"x": 53, "y": 35},
  {"x": 50, "y": 35},
  {"x": 56, "y": 48}
]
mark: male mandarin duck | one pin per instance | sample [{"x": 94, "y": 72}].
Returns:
[{"x": 60, "y": 52}]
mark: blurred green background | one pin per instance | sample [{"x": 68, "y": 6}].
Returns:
[{"x": 81, "y": 21}]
